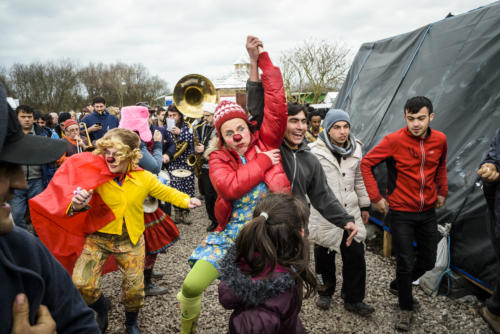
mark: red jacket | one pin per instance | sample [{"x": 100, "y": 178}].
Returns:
[
  {"x": 230, "y": 178},
  {"x": 416, "y": 169}
]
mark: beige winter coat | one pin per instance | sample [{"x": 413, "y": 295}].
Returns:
[{"x": 346, "y": 182}]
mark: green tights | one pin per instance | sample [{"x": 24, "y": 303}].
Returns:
[{"x": 197, "y": 280}]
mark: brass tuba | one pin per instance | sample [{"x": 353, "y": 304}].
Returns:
[{"x": 190, "y": 92}]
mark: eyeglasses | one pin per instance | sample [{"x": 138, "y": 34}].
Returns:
[{"x": 72, "y": 130}]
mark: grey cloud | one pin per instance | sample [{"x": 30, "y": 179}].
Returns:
[{"x": 175, "y": 38}]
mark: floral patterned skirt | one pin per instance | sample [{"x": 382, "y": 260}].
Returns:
[{"x": 216, "y": 244}]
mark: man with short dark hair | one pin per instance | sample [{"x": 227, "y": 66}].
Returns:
[
  {"x": 36, "y": 293},
  {"x": 417, "y": 184},
  {"x": 314, "y": 119},
  {"x": 303, "y": 169},
  {"x": 38, "y": 176},
  {"x": 100, "y": 121}
]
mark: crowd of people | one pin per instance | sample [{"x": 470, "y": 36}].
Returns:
[{"x": 277, "y": 180}]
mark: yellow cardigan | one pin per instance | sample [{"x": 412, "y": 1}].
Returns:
[{"x": 126, "y": 201}]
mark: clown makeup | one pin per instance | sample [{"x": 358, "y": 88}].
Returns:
[
  {"x": 114, "y": 163},
  {"x": 236, "y": 135}
]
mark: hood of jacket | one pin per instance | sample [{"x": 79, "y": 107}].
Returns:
[{"x": 252, "y": 291}]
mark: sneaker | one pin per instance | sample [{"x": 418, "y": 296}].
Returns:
[
  {"x": 153, "y": 290},
  {"x": 359, "y": 308},
  {"x": 323, "y": 302},
  {"x": 404, "y": 320},
  {"x": 490, "y": 318}
]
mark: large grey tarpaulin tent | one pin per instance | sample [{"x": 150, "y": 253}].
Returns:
[{"x": 456, "y": 63}]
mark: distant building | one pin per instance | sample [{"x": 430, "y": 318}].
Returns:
[{"x": 232, "y": 86}]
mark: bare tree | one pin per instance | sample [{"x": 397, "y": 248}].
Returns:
[
  {"x": 313, "y": 68},
  {"x": 62, "y": 85},
  {"x": 47, "y": 86},
  {"x": 122, "y": 84}
]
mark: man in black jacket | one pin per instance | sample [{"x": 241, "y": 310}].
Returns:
[
  {"x": 489, "y": 173},
  {"x": 42, "y": 292}
]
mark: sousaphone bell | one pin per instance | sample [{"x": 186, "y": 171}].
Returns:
[{"x": 190, "y": 92}]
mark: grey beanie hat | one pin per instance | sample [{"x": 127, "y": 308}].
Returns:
[{"x": 333, "y": 116}]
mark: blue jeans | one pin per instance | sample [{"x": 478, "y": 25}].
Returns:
[
  {"x": 19, "y": 203},
  {"x": 407, "y": 227}
]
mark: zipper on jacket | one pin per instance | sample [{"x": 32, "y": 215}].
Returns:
[
  {"x": 294, "y": 169},
  {"x": 422, "y": 176}
]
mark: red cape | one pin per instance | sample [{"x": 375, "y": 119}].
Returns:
[{"x": 63, "y": 235}]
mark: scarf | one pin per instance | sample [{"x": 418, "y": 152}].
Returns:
[{"x": 343, "y": 151}]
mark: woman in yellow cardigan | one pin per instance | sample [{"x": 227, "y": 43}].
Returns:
[{"x": 122, "y": 237}]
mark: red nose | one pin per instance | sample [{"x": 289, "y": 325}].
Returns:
[
  {"x": 110, "y": 159},
  {"x": 237, "y": 137}
]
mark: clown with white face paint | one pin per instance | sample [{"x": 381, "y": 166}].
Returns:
[
  {"x": 111, "y": 190},
  {"x": 244, "y": 165}
]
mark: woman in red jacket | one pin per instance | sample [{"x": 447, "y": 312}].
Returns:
[{"x": 244, "y": 168}]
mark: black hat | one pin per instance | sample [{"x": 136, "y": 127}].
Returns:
[{"x": 18, "y": 148}]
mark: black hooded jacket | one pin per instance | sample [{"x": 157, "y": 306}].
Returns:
[
  {"x": 26, "y": 266},
  {"x": 303, "y": 169}
]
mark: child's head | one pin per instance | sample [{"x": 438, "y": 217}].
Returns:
[
  {"x": 120, "y": 148},
  {"x": 277, "y": 235}
]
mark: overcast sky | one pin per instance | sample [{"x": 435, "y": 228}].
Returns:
[{"x": 175, "y": 38}]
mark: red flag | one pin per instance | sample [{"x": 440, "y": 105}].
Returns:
[{"x": 63, "y": 235}]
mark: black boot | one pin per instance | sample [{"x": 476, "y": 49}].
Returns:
[
  {"x": 131, "y": 322},
  {"x": 212, "y": 226},
  {"x": 149, "y": 288},
  {"x": 101, "y": 306},
  {"x": 157, "y": 274}
]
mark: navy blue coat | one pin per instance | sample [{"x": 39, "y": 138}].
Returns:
[
  {"x": 107, "y": 121},
  {"x": 26, "y": 266}
]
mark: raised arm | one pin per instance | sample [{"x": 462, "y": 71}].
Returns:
[{"x": 275, "y": 107}]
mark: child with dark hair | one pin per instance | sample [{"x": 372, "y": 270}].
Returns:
[
  {"x": 263, "y": 276},
  {"x": 244, "y": 166}
]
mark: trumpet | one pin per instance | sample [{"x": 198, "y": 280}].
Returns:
[{"x": 84, "y": 126}]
